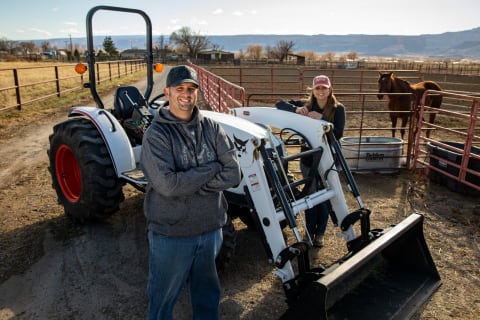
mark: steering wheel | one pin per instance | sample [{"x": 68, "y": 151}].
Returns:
[
  {"x": 294, "y": 138},
  {"x": 157, "y": 101}
]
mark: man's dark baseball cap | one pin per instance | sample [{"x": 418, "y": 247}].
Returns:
[{"x": 181, "y": 74}]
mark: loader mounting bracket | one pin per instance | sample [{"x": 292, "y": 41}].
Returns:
[{"x": 299, "y": 249}]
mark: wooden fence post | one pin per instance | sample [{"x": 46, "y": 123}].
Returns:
[
  {"x": 17, "y": 89},
  {"x": 57, "y": 81},
  {"x": 98, "y": 73}
]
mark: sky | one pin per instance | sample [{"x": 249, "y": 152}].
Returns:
[{"x": 48, "y": 19}]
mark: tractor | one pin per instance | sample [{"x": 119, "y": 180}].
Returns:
[{"x": 387, "y": 273}]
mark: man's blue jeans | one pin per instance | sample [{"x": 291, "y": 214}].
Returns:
[{"x": 174, "y": 262}]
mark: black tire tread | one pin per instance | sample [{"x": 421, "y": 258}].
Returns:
[
  {"x": 228, "y": 246},
  {"x": 102, "y": 191}
]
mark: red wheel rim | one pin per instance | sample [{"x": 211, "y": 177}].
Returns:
[{"x": 68, "y": 173}]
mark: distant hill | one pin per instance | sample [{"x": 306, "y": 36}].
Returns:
[{"x": 458, "y": 45}]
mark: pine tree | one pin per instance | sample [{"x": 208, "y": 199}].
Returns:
[{"x": 109, "y": 47}]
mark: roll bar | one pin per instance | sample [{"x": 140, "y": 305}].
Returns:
[{"x": 90, "y": 54}]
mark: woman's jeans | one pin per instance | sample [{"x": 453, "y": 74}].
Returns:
[
  {"x": 316, "y": 218},
  {"x": 176, "y": 261}
]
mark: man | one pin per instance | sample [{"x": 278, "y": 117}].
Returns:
[{"x": 188, "y": 161}]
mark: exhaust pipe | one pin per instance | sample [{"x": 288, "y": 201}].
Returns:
[{"x": 390, "y": 278}]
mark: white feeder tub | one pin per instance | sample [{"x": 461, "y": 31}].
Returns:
[{"x": 374, "y": 154}]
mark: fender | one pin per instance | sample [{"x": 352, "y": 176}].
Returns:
[{"x": 115, "y": 138}]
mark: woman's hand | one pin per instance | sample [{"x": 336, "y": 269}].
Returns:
[
  {"x": 302, "y": 110},
  {"x": 315, "y": 115}
]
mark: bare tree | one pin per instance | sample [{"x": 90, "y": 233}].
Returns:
[
  {"x": 352, "y": 55},
  {"x": 27, "y": 47},
  {"x": 254, "y": 51},
  {"x": 309, "y": 55},
  {"x": 271, "y": 52},
  {"x": 7, "y": 45},
  {"x": 3, "y": 44},
  {"x": 240, "y": 55},
  {"x": 161, "y": 47},
  {"x": 216, "y": 47},
  {"x": 46, "y": 46},
  {"x": 189, "y": 41},
  {"x": 283, "y": 49},
  {"x": 328, "y": 56}
]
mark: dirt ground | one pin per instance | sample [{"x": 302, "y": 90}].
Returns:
[{"x": 52, "y": 268}]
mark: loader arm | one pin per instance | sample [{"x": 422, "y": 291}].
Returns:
[{"x": 316, "y": 132}]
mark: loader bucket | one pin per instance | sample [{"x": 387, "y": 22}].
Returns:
[{"x": 390, "y": 278}]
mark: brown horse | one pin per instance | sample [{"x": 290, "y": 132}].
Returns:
[{"x": 389, "y": 83}]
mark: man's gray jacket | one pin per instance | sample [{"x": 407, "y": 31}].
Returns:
[{"x": 187, "y": 166}]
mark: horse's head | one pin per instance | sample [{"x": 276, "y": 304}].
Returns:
[{"x": 384, "y": 83}]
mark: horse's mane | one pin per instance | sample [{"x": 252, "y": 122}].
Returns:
[{"x": 404, "y": 83}]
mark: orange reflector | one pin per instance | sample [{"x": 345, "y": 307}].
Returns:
[
  {"x": 158, "y": 67},
  {"x": 80, "y": 68}
]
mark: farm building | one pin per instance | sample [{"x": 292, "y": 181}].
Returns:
[
  {"x": 132, "y": 54},
  {"x": 300, "y": 60},
  {"x": 216, "y": 56}
]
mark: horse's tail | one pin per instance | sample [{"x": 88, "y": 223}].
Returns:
[{"x": 432, "y": 85}]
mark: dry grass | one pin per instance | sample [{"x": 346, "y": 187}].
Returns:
[
  {"x": 53, "y": 105},
  {"x": 39, "y": 80}
]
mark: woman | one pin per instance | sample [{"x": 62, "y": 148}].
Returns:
[{"x": 321, "y": 104}]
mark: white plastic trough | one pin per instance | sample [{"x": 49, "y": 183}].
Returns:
[{"x": 372, "y": 154}]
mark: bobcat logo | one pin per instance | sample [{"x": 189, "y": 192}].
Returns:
[{"x": 240, "y": 145}]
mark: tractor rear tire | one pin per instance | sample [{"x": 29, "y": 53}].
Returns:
[{"x": 83, "y": 174}]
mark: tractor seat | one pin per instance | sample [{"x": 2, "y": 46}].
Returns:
[{"x": 125, "y": 99}]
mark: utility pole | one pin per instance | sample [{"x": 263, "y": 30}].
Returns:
[{"x": 71, "y": 45}]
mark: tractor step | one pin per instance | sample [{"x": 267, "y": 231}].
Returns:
[{"x": 136, "y": 176}]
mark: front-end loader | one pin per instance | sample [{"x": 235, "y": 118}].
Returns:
[{"x": 386, "y": 273}]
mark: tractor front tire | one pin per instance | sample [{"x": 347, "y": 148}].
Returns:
[
  {"x": 228, "y": 246},
  {"x": 83, "y": 174}
]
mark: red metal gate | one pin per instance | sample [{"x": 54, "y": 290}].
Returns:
[
  {"x": 455, "y": 128},
  {"x": 451, "y": 155}
]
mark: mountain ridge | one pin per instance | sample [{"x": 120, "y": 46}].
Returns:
[{"x": 459, "y": 44}]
